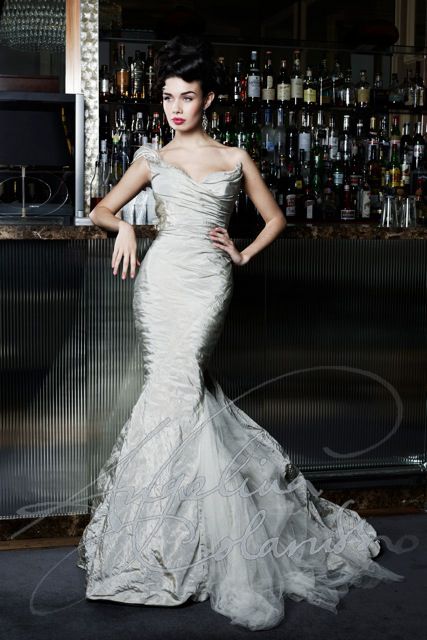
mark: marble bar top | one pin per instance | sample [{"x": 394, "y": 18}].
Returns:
[{"x": 350, "y": 231}]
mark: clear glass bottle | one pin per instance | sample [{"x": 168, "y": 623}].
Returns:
[
  {"x": 363, "y": 90},
  {"x": 283, "y": 87},
  {"x": 137, "y": 77},
  {"x": 348, "y": 90},
  {"x": 296, "y": 81},
  {"x": 309, "y": 89},
  {"x": 324, "y": 84},
  {"x": 254, "y": 78},
  {"x": 122, "y": 74},
  {"x": 395, "y": 93},
  {"x": 268, "y": 92}
]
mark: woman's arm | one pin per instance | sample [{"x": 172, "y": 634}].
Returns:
[
  {"x": 103, "y": 215},
  {"x": 262, "y": 198}
]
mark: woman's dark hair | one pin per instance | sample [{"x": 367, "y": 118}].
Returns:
[{"x": 190, "y": 58}]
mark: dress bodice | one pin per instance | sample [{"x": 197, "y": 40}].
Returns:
[{"x": 186, "y": 206}]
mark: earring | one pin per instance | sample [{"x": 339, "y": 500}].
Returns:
[{"x": 205, "y": 121}]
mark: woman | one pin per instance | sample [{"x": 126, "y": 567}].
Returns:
[{"x": 197, "y": 500}]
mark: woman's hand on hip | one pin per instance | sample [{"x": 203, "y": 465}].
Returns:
[{"x": 222, "y": 240}]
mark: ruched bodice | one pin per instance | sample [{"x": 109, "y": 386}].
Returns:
[
  {"x": 185, "y": 206},
  {"x": 196, "y": 499}
]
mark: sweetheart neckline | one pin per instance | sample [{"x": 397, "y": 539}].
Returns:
[{"x": 238, "y": 167}]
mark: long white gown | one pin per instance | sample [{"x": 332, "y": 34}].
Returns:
[{"x": 197, "y": 500}]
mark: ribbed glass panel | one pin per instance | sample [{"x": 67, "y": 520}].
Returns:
[{"x": 340, "y": 324}]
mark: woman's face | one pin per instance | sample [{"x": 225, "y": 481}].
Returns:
[{"x": 183, "y": 103}]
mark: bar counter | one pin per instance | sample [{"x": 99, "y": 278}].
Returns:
[
  {"x": 351, "y": 231},
  {"x": 324, "y": 345}
]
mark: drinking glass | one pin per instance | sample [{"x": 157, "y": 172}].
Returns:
[
  {"x": 389, "y": 216},
  {"x": 408, "y": 212}
]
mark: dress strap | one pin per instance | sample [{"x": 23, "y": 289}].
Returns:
[{"x": 146, "y": 152}]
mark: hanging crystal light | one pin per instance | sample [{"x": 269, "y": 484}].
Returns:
[{"x": 33, "y": 25}]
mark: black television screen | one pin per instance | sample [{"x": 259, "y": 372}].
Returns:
[{"x": 37, "y": 131}]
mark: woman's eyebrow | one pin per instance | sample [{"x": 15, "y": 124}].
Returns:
[{"x": 166, "y": 93}]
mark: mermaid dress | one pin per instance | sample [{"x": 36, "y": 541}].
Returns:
[{"x": 196, "y": 500}]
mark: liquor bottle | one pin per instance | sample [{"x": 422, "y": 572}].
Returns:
[
  {"x": 348, "y": 92},
  {"x": 395, "y": 134},
  {"x": 374, "y": 178},
  {"x": 239, "y": 83},
  {"x": 406, "y": 144},
  {"x": 299, "y": 186},
  {"x": 379, "y": 97},
  {"x": 122, "y": 74},
  {"x": 154, "y": 132},
  {"x": 224, "y": 82},
  {"x": 167, "y": 132},
  {"x": 104, "y": 127},
  {"x": 254, "y": 79},
  {"x": 96, "y": 187},
  {"x": 310, "y": 89},
  {"x": 292, "y": 139},
  {"x": 395, "y": 94},
  {"x": 271, "y": 181},
  {"x": 363, "y": 90},
  {"x": 104, "y": 84},
  {"x": 395, "y": 169},
  {"x": 419, "y": 148},
  {"x": 150, "y": 76},
  {"x": 268, "y": 93},
  {"x": 405, "y": 89},
  {"x": 304, "y": 136},
  {"x": 347, "y": 210},
  {"x": 338, "y": 179},
  {"x": 337, "y": 79},
  {"x": 228, "y": 137},
  {"x": 282, "y": 183},
  {"x": 296, "y": 81},
  {"x": 137, "y": 132},
  {"x": 383, "y": 140},
  {"x": 405, "y": 175},
  {"x": 214, "y": 129},
  {"x": 137, "y": 78},
  {"x": 280, "y": 134},
  {"x": 346, "y": 140},
  {"x": 324, "y": 84},
  {"x": 242, "y": 137},
  {"x": 364, "y": 198},
  {"x": 290, "y": 198},
  {"x": 254, "y": 138},
  {"x": 268, "y": 134},
  {"x": 309, "y": 204},
  {"x": 333, "y": 138},
  {"x": 419, "y": 88},
  {"x": 373, "y": 139},
  {"x": 283, "y": 87},
  {"x": 327, "y": 211}
]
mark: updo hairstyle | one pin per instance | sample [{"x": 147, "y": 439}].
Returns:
[{"x": 190, "y": 58}]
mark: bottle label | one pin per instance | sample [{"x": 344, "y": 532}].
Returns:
[
  {"x": 406, "y": 174},
  {"x": 395, "y": 176},
  {"x": 363, "y": 95},
  {"x": 338, "y": 178},
  {"x": 298, "y": 184},
  {"x": 333, "y": 147},
  {"x": 104, "y": 85},
  {"x": 254, "y": 87},
  {"x": 284, "y": 92},
  {"x": 268, "y": 94},
  {"x": 310, "y": 95},
  {"x": 309, "y": 209},
  {"x": 290, "y": 205},
  {"x": 418, "y": 151},
  {"x": 347, "y": 214},
  {"x": 304, "y": 141},
  {"x": 296, "y": 88},
  {"x": 365, "y": 204}
]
